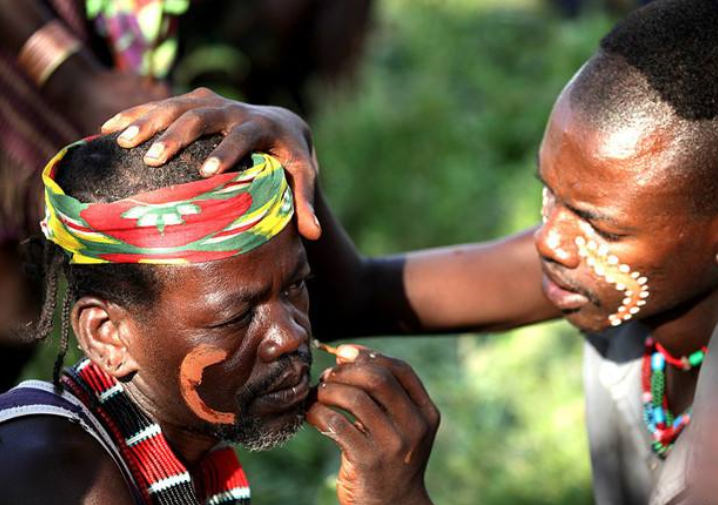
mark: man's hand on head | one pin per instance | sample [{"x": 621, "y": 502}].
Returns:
[
  {"x": 386, "y": 448},
  {"x": 246, "y": 128}
]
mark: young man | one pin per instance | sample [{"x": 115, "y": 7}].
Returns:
[
  {"x": 628, "y": 251},
  {"x": 188, "y": 298}
]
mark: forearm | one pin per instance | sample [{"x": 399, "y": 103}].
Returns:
[
  {"x": 18, "y": 22},
  {"x": 481, "y": 287},
  {"x": 352, "y": 295},
  {"x": 485, "y": 286}
]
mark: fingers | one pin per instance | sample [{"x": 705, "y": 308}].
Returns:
[
  {"x": 238, "y": 143},
  {"x": 303, "y": 179},
  {"x": 122, "y": 120},
  {"x": 369, "y": 417},
  {"x": 403, "y": 373},
  {"x": 334, "y": 425},
  {"x": 183, "y": 130},
  {"x": 379, "y": 384}
]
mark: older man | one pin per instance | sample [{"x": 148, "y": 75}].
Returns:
[{"x": 188, "y": 298}]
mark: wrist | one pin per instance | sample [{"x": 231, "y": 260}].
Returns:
[{"x": 46, "y": 50}]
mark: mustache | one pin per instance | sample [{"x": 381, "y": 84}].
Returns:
[{"x": 256, "y": 388}]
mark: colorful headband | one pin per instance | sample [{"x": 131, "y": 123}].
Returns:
[{"x": 200, "y": 221}]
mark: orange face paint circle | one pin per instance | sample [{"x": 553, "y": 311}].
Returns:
[{"x": 191, "y": 371}]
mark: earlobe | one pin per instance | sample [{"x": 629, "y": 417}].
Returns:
[{"x": 98, "y": 325}]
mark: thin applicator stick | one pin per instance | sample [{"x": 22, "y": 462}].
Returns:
[{"x": 324, "y": 347}]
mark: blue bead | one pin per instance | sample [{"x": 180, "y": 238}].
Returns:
[
  {"x": 658, "y": 415},
  {"x": 658, "y": 362}
]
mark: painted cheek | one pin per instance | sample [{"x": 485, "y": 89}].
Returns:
[
  {"x": 191, "y": 371},
  {"x": 632, "y": 285}
]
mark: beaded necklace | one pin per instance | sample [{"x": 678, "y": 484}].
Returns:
[
  {"x": 663, "y": 425},
  {"x": 160, "y": 476}
]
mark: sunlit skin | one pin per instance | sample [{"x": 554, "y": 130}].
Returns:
[
  {"x": 248, "y": 326},
  {"x": 600, "y": 194},
  {"x": 609, "y": 268}
]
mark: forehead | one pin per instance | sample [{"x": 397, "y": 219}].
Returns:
[
  {"x": 619, "y": 168},
  {"x": 211, "y": 285}
]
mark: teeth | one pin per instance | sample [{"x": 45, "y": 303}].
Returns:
[
  {"x": 624, "y": 268},
  {"x": 592, "y": 245},
  {"x": 603, "y": 250},
  {"x": 613, "y": 260}
]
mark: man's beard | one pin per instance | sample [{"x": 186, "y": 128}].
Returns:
[{"x": 255, "y": 433}]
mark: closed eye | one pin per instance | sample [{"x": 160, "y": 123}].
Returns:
[{"x": 241, "y": 320}]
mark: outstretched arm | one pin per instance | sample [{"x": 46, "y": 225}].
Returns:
[{"x": 484, "y": 286}]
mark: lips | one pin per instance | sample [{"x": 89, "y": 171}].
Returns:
[
  {"x": 562, "y": 296},
  {"x": 289, "y": 391}
]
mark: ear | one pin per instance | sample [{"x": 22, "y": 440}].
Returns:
[{"x": 103, "y": 332}]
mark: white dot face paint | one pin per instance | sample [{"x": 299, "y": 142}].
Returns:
[
  {"x": 545, "y": 204},
  {"x": 608, "y": 267}
]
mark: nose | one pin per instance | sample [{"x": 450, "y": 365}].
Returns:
[
  {"x": 288, "y": 332},
  {"x": 555, "y": 240}
]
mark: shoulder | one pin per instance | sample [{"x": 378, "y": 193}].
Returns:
[{"x": 47, "y": 459}]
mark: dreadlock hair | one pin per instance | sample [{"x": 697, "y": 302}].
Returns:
[
  {"x": 659, "y": 66},
  {"x": 101, "y": 171}
]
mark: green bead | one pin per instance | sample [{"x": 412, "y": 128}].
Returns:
[{"x": 696, "y": 358}]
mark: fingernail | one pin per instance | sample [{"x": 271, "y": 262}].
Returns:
[
  {"x": 111, "y": 121},
  {"x": 316, "y": 222},
  {"x": 347, "y": 352},
  {"x": 210, "y": 166},
  {"x": 325, "y": 374},
  {"x": 155, "y": 151},
  {"x": 129, "y": 133}
]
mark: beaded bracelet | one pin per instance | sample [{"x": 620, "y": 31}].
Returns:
[{"x": 45, "y": 50}]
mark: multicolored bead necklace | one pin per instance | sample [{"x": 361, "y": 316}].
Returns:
[{"x": 660, "y": 421}]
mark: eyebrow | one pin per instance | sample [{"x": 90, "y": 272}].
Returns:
[
  {"x": 588, "y": 215},
  {"x": 246, "y": 295}
]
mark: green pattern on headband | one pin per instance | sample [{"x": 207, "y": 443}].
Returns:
[{"x": 200, "y": 221}]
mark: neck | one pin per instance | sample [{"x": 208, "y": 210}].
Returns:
[
  {"x": 190, "y": 446},
  {"x": 688, "y": 327},
  {"x": 681, "y": 332}
]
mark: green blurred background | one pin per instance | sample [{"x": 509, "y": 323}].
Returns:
[{"x": 435, "y": 143}]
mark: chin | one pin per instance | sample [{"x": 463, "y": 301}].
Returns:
[
  {"x": 588, "y": 324},
  {"x": 260, "y": 434}
]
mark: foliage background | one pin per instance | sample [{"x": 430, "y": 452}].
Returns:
[{"x": 435, "y": 143}]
